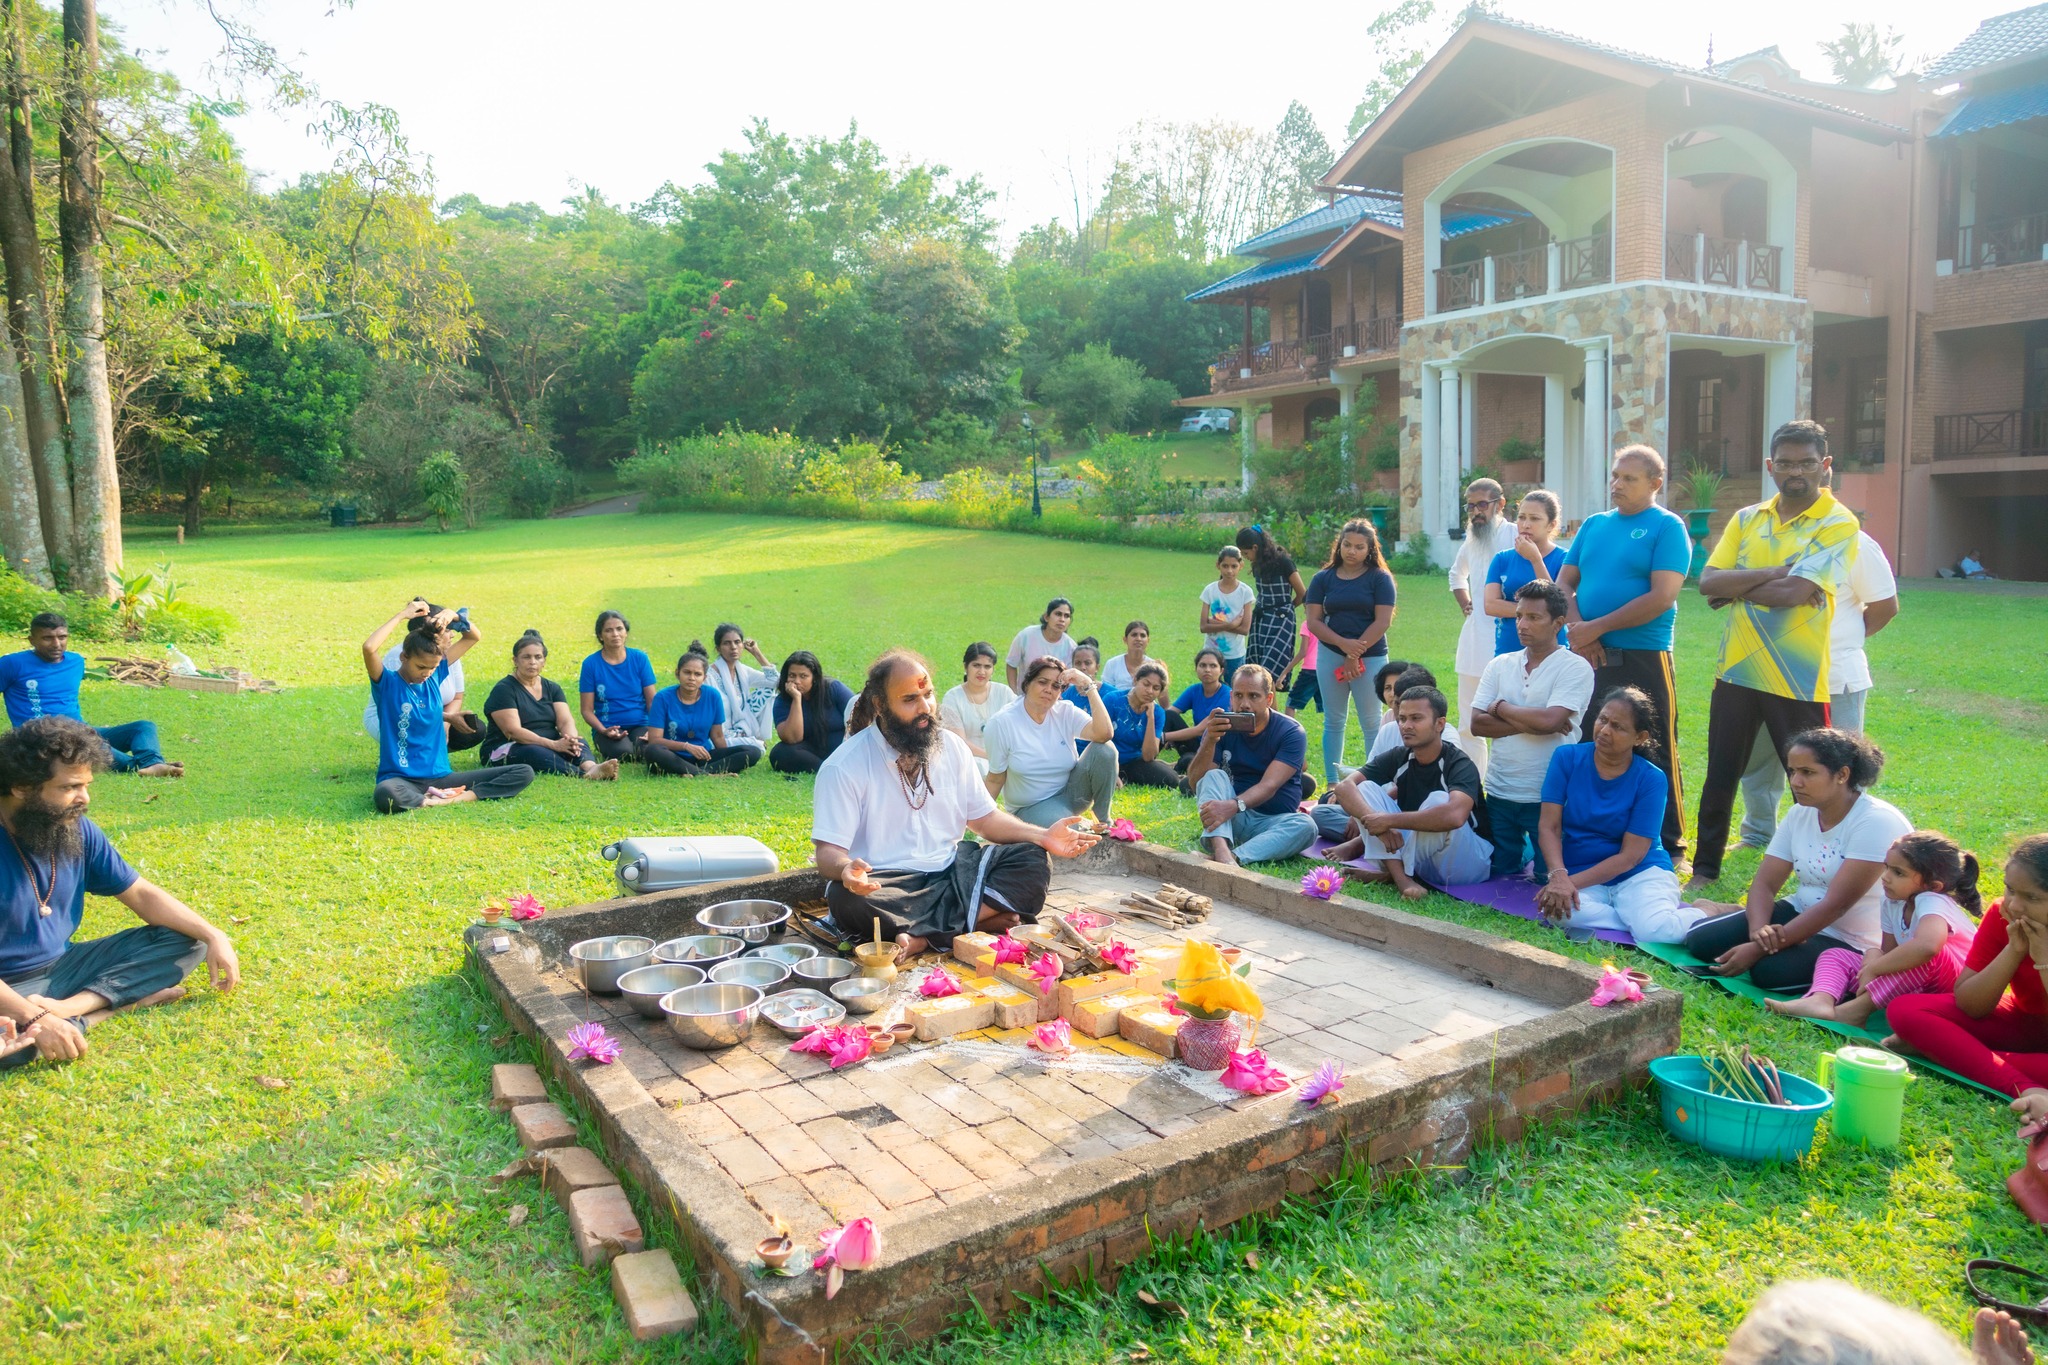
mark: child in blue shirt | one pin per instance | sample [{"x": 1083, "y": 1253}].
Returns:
[
  {"x": 1138, "y": 725},
  {"x": 685, "y": 732}
]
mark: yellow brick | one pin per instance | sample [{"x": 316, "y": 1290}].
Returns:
[
  {"x": 1151, "y": 1028},
  {"x": 967, "y": 947},
  {"x": 1098, "y": 1017},
  {"x": 950, "y": 1014},
  {"x": 1075, "y": 989},
  {"x": 1015, "y": 1008}
]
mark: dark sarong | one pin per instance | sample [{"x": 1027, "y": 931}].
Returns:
[{"x": 939, "y": 905}]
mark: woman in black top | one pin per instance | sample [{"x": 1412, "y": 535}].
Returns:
[
  {"x": 1271, "y": 645},
  {"x": 530, "y": 721},
  {"x": 809, "y": 714}
]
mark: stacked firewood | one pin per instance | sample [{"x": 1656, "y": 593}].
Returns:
[{"x": 1174, "y": 906}]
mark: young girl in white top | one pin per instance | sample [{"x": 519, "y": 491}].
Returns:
[
  {"x": 1930, "y": 916},
  {"x": 1119, "y": 671},
  {"x": 735, "y": 681},
  {"x": 968, "y": 704}
]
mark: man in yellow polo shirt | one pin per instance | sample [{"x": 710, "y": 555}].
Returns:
[{"x": 1779, "y": 567}]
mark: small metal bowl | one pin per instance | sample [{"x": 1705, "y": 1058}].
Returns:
[
  {"x": 764, "y": 976},
  {"x": 797, "y": 1012},
  {"x": 711, "y": 1016},
  {"x": 700, "y": 950},
  {"x": 754, "y": 921},
  {"x": 644, "y": 986},
  {"x": 600, "y": 962},
  {"x": 822, "y": 971},
  {"x": 789, "y": 954},
  {"x": 862, "y": 994}
]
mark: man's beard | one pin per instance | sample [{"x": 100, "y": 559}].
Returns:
[
  {"x": 1481, "y": 521},
  {"x": 919, "y": 739},
  {"x": 42, "y": 830}
]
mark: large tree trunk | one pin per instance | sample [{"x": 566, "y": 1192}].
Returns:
[
  {"x": 21, "y": 525},
  {"x": 28, "y": 299},
  {"x": 95, "y": 484}
]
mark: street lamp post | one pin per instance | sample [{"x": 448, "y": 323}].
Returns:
[{"x": 1036, "y": 509}]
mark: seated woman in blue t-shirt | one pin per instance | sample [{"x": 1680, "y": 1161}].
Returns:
[
  {"x": 1209, "y": 692},
  {"x": 685, "y": 732},
  {"x": 1603, "y": 805},
  {"x": 1138, "y": 725},
  {"x": 616, "y": 688},
  {"x": 809, "y": 715},
  {"x": 412, "y": 743},
  {"x": 1535, "y": 557}
]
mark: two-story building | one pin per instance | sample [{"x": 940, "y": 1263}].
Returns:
[{"x": 1545, "y": 242}]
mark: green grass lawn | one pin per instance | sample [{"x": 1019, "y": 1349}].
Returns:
[
  {"x": 157, "y": 1202},
  {"x": 1196, "y": 457}
]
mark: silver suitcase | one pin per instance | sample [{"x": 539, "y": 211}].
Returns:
[{"x": 663, "y": 864}]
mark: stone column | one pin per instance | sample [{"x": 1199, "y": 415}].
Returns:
[
  {"x": 1347, "y": 394},
  {"x": 1247, "y": 443},
  {"x": 1556, "y": 459},
  {"x": 1442, "y": 482},
  {"x": 1589, "y": 493}
]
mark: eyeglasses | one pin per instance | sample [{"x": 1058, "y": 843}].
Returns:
[
  {"x": 1481, "y": 505},
  {"x": 1796, "y": 466}
]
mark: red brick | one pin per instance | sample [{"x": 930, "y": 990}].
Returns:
[
  {"x": 569, "y": 1169},
  {"x": 603, "y": 1225},
  {"x": 1392, "y": 1146},
  {"x": 514, "y": 1084},
  {"x": 1538, "y": 1093},
  {"x": 651, "y": 1295},
  {"x": 541, "y": 1126},
  {"x": 1152, "y": 1028}
]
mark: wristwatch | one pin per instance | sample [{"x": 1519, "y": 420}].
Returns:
[{"x": 1240, "y": 805}]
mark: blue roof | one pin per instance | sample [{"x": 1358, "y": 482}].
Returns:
[
  {"x": 1456, "y": 224},
  {"x": 1998, "y": 41},
  {"x": 1980, "y": 112},
  {"x": 1336, "y": 217},
  {"x": 1264, "y": 272}
]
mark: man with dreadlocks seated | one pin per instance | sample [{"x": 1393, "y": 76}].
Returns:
[{"x": 891, "y": 805}]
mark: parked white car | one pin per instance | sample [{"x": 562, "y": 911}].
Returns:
[{"x": 1208, "y": 419}]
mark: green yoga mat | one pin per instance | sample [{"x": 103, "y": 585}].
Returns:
[{"x": 1873, "y": 1032}]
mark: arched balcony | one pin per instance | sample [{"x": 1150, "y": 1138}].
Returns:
[
  {"x": 1525, "y": 220},
  {"x": 1730, "y": 202}
]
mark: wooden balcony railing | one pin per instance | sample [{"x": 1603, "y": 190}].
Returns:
[
  {"x": 1585, "y": 261},
  {"x": 1576, "y": 263},
  {"x": 1460, "y": 286},
  {"x": 1280, "y": 362},
  {"x": 1730, "y": 262},
  {"x": 1986, "y": 435},
  {"x": 1520, "y": 274},
  {"x": 1986, "y": 246}
]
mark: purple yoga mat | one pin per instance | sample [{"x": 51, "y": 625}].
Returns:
[{"x": 1509, "y": 895}]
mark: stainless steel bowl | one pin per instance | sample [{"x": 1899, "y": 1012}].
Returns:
[
  {"x": 754, "y": 921},
  {"x": 862, "y": 994},
  {"x": 644, "y": 986},
  {"x": 797, "y": 1012},
  {"x": 711, "y": 1016},
  {"x": 758, "y": 972},
  {"x": 600, "y": 962},
  {"x": 700, "y": 950},
  {"x": 789, "y": 954},
  {"x": 822, "y": 971}
]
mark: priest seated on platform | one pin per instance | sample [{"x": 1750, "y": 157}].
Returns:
[{"x": 892, "y": 805}]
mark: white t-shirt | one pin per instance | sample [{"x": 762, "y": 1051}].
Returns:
[
  {"x": 860, "y": 804},
  {"x": 1116, "y": 673},
  {"x": 1031, "y": 644},
  {"x": 1232, "y": 604},
  {"x": 735, "y": 683},
  {"x": 1866, "y": 834},
  {"x": 1516, "y": 764},
  {"x": 967, "y": 717},
  {"x": 451, "y": 686},
  {"x": 1925, "y": 904},
  {"x": 1870, "y": 580},
  {"x": 1388, "y": 738},
  {"x": 1036, "y": 755}
]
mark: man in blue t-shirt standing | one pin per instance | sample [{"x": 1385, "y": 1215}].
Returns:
[
  {"x": 1623, "y": 575},
  {"x": 43, "y": 680},
  {"x": 1247, "y": 780},
  {"x": 52, "y": 989},
  {"x": 412, "y": 743}
]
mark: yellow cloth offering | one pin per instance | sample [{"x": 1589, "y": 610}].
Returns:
[{"x": 1206, "y": 982}]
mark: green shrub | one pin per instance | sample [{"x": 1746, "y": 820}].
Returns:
[
  {"x": 187, "y": 623},
  {"x": 1382, "y": 450},
  {"x": 442, "y": 484},
  {"x": 1128, "y": 476},
  {"x": 858, "y": 471},
  {"x": 760, "y": 464},
  {"x": 954, "y": 441},
  {"x": 97, "y": 618},
  {"x": 535, "y": 482},
  {"x": 1518, "y": 447},
  {"x": 981, "y": 497}
]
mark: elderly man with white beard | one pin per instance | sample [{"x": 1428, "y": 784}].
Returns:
[
  {"x": 1489, "y": 534},
  {"x": 892, "y": 803}
]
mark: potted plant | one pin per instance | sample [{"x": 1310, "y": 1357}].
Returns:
[
  {"x": 1703, "y": 484},
  {"x": 1520, "y": 460},
  {"x": 1383, "y": 456}
]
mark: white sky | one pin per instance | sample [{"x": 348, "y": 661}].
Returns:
[{"x": 518, "y": 100}]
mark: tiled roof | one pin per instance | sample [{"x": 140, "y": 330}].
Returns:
[
  {"x": 1998, "y": 40},
  {"x": 1348, "y": 209},
  {"x": 1263, "y": 273},
  {"x": 1979, "y": 112},
  {"x": 1385, "y": 210}
]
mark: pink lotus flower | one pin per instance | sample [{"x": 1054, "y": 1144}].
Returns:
[
  {"x": 1123, "y": 957},
  {"x": 1614, "y": 985},
  {"x": 1171, "y": 1004},
  {"x": 1047, "y": 969},
  {"x": 591, "y": 1041},
  {"x": 1010, "y": 950},
  {"x": 526, "y": 905},
  {"x": 857, "y": 1246},
  {"x": 1087, "y": 921},
  {"x": 1250, "y": 1072},
  {"x": 938, "y": 982},
  {"x": 1123, "y": 831},
  {"x": 1055, "y": 1038},
  {"x": 818, "y": 1040},
  {"x": 852, "y": 1045},
  {"x": 1322, "y": 882},
  {"x": 1327, "y": 1081}
]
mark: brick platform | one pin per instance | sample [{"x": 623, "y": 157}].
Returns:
[{"x": 989, "y": 1166}]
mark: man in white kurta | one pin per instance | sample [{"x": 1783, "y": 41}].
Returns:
[{"x": 1489, "y": 531}]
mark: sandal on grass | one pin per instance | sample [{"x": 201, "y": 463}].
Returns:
[{"x": 2036, "y": 1313}]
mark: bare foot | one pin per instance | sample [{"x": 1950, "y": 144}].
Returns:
[
  {"x": 1856, "y": 1010},
  {"x": 447, "y": 796},
  {"x": 909, "y": 946},
  {"x": 1344, "y": 852},
  {"x": 1997, "y": 1338},
  {"x": 162, "y": 770},
  {"x": 2031, "y": 1106},
  {"x": 1219, "y": 851},
  {"x": 1814, "y": 1006},
  {"x": 168, "y": 995},
  {"x": 1693, "y": 888},
  {"x": 1410, "y": 888},
  {"x": 607, "y": 771}
]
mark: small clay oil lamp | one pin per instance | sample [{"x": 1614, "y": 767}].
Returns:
[
  {"x": 492, "y": 912},
  {"x": 1230, "y": 955},
  {"x": 1640, "y": 977},
  {"x": 903, "y": 1031},
  {"x": 880, "y": 1040},
  {"x": 776, "y": 1249}
]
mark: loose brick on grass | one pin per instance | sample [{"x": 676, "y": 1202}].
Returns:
[
  {"x": 514, "y": 1084},
  {"x": 651, "y": 1295},
  {"x": 542, "y": 1126},
  {"x": 603, "y": 1225},
  {"x": 569, "y": 1169}
]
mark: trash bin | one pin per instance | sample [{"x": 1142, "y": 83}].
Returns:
[
  {"x": 1379, "y": 521},
  {"x": 342, "y": 514}
]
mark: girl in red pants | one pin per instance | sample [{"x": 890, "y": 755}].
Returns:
[{"x": 1994, "y": 1028}]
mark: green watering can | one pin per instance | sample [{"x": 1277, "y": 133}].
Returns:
[{"x": 1870, "y": 1094}]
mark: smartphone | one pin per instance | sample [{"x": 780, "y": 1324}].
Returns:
[{"x": 1239, "y": 720}]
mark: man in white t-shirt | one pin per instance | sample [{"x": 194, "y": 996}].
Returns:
[
  {"x": 1867, "y": 607},
  {"x": 889, "y": 809},
  {"x": 1529, "y": 703}
]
